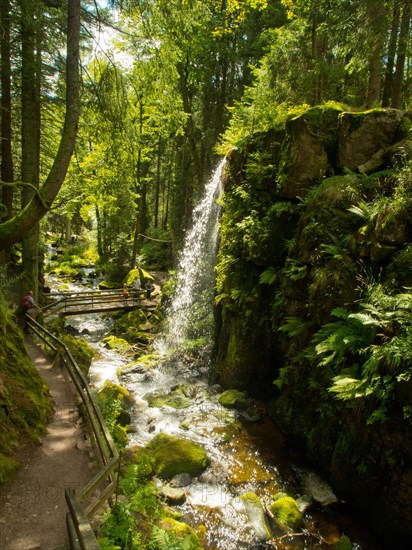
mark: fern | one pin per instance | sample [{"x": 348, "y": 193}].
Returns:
[
  {"x": 363, "y": 210},
  {"x": 344, "y": 387},
  {"x": 268, "y": 277},
  {"x": 294, "y": 326}
]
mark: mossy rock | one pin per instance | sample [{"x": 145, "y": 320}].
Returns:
[
  {"x": 234, "y": 399},
  {"x": 81, "y": 350},
  {"x": 118, "y": 344},
  {"x": 181, "y": 531},
  {"x": 286, "y": 511},
  {"x": 344, "y": 543},
  {"x": 120, "y": 436},
  {"x": 112, "y": 391},
  {"x": 178, "y": 398},
  {"x": 132, "y": 319},
  {"x": 173, "y": 456}
]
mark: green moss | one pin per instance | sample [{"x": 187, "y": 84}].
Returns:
[
  {"x": 81, "y": 350},
  {"x": 119, "y": 344},
  {"x": 8, "y": 467},
  {"x": 24, "y": 403},
  {"x": 174, "y": 456},
  {"x": 344, "y": 543},
  {"x": 120, "y": 436},
  {"x": 181, "y": 531},
  {"x": 178, "y": 398},
  {"x": 129, "y": 324},
  {"x": 286, "y": 511},
  {"x": 113, "y": 400},
  {"x": 234, "y": 399}
]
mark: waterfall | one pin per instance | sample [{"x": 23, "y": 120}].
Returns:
[{"x": 190, "y": 314}]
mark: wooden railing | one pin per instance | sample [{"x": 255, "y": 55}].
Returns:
[{"x": 79, "y": 530}]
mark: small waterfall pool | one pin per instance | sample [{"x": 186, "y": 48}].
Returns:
[{"x": 247, "y": 451}]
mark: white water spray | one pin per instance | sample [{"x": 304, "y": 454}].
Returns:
[{"x": 191, "y": 310}]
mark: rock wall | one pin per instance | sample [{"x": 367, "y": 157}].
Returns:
[{"x": 315, "y": 216}]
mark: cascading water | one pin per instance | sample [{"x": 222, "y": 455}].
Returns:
[{"x": 190, "y": 315}]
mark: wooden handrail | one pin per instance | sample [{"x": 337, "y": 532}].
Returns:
[{"x": 79, "y": 531}]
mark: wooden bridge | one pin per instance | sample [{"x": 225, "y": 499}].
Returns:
[{"x": 96, "y": 301}]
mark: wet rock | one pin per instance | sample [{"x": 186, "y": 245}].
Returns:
[
  {"x": 255, "y": 512},
  {"x": 172, "y": 456},
  {"x": 234, "y": 399},
  {"x": 181, "y": 480},
  {"x": 173, "y": 495}
]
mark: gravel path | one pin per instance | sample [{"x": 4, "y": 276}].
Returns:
[{"x": 32, "y": 506}]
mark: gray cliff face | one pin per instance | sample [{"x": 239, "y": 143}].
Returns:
[{"x": 316, "y": 222}]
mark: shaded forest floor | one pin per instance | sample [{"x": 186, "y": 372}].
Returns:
[{"x": 32, "y": 506}]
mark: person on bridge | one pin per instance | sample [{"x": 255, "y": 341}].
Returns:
[
  {"x": 137, "y": 286},
  {"x": 149, "y": 289},
  {"x": 125, "y": 291}
]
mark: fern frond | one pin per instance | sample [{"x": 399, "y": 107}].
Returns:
[
  {"x": 268, "y": 277},
  {"x": 293, "y": 326}
]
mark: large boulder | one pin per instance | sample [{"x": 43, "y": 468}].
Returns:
[
  {"x": 172, "y": 456},
  {"x": 361, "y": 135}
]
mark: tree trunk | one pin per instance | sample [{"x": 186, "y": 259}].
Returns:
[
  {"x": 157, "y": 188},
  {"x": 400, "y": 59},
  {"x": 190, "y": 128},
  {"x": 387, "y": 91},
  {"x": 30, "y": 134},
  {"x": 141, "y": 190},
  {"x": 13, "y": 230},
  {"x": 7, "y": 172},
  {"x": 377, "y": 17}
]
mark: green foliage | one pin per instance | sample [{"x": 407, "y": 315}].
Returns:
[
  {"x": 294, "y": 326},
  {"x": 156, "y": 252},
  {"x": 269, "y": 276},
  {"x": 81, "y": 350},
  {"x": 294, "y": 271},
  {"x": 368, "y": 352},
  {"x": 113, "y": 401},
  {"x": 25, "y": 407},
  {"x": 119, "y": 530}
]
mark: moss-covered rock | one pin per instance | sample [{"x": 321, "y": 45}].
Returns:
[
  {"x": 234, "y": 399},
  {"x": 286, "y": 511},
  {"x": 172, "y": 456},
  {"x": 81, "y": 350},
  {"x": 129, "y": 324},
  {"x": 119, "y": 344},
  {"x": 181, "y": 531},
  {"x": 114, "y": 401},
  {"x": 179, "y": 397}
]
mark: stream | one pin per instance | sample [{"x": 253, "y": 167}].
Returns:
[{"x": 247, "y": 450}]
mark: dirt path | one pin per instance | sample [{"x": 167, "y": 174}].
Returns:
[{"x": 32, "y": 506}]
